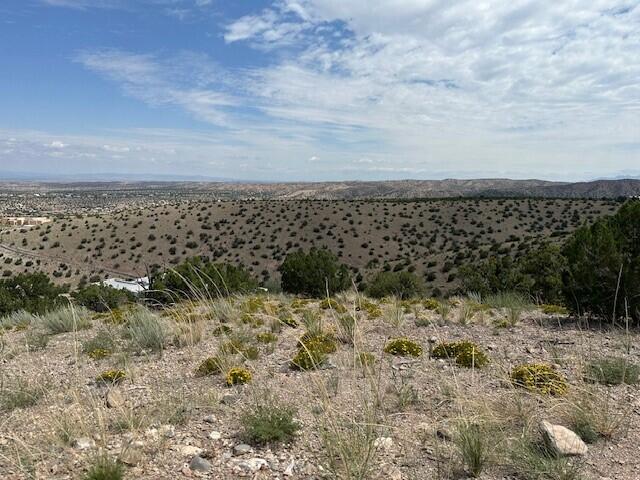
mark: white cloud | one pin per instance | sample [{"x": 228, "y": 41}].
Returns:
[
  {"x": 116, "y": 148},
  {"x": 57, "y": 144},
  {"x": 413, "y": 87}
]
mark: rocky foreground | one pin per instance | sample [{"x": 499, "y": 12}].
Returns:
[{"x": 142, "y": 398}]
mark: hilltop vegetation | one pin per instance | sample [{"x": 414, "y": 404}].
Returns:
[{"x": 431, "y": 238}]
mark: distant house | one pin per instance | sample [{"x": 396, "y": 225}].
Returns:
[
  {"x": 137, "y": 285},
  {"x": 25, "y": 221}
]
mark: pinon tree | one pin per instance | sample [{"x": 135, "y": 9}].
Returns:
[{"x": 603, "y": 266}]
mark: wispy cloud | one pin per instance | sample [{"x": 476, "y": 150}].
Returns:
[{"x": 403, "y": 87}]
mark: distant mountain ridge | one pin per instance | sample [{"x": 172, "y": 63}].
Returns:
[{"x": 402, "y": 189}]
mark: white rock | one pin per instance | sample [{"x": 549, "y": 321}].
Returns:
[
  {"x": 289, "y": 470},
  {"x": 189, "y": 450},
  {"x": 114, "y": 399},
  {"x": 215, "y": 435},
  {"x": 167, "y": 431},
  {"x": 383, "y": 443},
  {"x": 83, "y": 443},
  {"x": 253, "y": 464},
  {"x": 242, "y": 449},
  {"x": 562, "y": 440}
]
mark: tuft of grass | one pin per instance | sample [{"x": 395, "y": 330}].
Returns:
[
  {"x": 18, "y": 394},
  {"x": 473, "y": 445},
  {"x": 269, "y": 422},
  {"x": 105, "y": 468},
  {"x": 209, "y": 366},
  {"x": 66, "y": 319},
  {"x": 100, "y": 346},
  {"x": 533, "y": 461},
  {"x": 612, "y": 371},
  {"x": 147, "y": 331},
  {"x": 17, "y": 320},
  {"x": 312, "y": 322},
  {"x": 36, "y": 340}
]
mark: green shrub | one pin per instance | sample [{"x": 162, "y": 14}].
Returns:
[
  {"x": 366, "y": 359},
  {"x": 398, "y": 284},
  {"x": 266, "y": 337},
  {"x": 104, "y": 468},
  {"x": 287, "y": 318},
  {"x": 209, "y": 366},
  {"x": 315, "y": 273},
  {"x": 221, "y": 330},
  {"x": 18, "y": 394},
  {"x": 537, "y": 274},
  {"x": 324, "y": 342},
  {"x": 466, "y": 353},
  {"x": 331, "y": 304},
  {"x": 238, "y": 376},
  {"x": 237, "y": 346},
  {"x": 308, "y": 357},
  {"x": 200, "y": 279},
  {"x": 550, "y": 309},
  {"x": 268, "y": 423},
  {"x": 603, "y": 273},
  {"x": 102, "y": 298},
  {"x": 403, "y": 347},
  {"x": 540, "y": 378},
  {"x": 100, "y": 346},
  {"x": 32, "y": 292},
  {"x": 431, "y": 304},
  {"x": 66, "y": 319},
  {"x": 612, "y": 371},
  {"x": 373, "y": 310},
  {"x": 112, "y": 377}
]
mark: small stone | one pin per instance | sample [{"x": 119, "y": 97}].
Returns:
[
  {"x": 189, "y": 450},
  {"x": 562, "y": 440},
  {"x": 215, "y": 435},
  {"x": 130, "y": 456},
  {"x": 242, "y": 449},
  {"x": 199, "y": 464},
  {"x": 383, "y": 443},
  {"x": 114, "y": 399},
  {"x": 167, "y": 431},
  {"x": 210, "y": 419},
  {"x": 289, "y": 470},
  {"x": 83, "y": 443},
  {"x": 252, "y": 464},
  {"x": 229, "y": 399}
]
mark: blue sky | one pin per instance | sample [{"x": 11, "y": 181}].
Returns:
[{"x": 321, "y": 89}]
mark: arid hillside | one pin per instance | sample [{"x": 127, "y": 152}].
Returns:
[{"x": 430, "y": 237}]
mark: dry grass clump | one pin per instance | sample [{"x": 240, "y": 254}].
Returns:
[
  {"x": 66, "y": 319},
  {"x": 19, "y": 393},
  {"x": 147, "y": 331},
  {"x": 19, "y": 320},
  {"x": 612, "y": 371}
]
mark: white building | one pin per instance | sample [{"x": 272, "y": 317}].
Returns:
[{"x": 134, "y": 286}]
